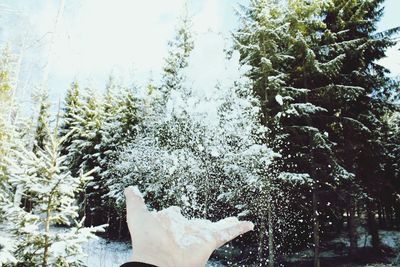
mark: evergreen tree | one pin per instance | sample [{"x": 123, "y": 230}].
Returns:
[
  {"x": 41, "y": 133},
  {"x": 122, "y": 115},
  {"x": 85, "y": 122},
  {"x": 356, "y": 109},
  {"x": 43, "y": 176},
  {"x": 85, "y": 155},
  {"x": 72, "y": 106},
  {"x": 263, "y": 44},
  {"x": 261, "y": 41},
  {"x": 314, "y": 70},
  {"x": 319, "y": 65},
  {"x": 120, "y": 123},
  {"x": 172, "y": 79},
  {"x": 391, "y": 202},
  {"x": 177, "y": 58},
  {"x": 6, "y": 131},
  {"x": 11, "y": 135},
  {"x": 119, "y": 128}
]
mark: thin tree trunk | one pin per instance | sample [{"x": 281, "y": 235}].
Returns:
[
  {"x": 208, "y": 193},
  {"x": 316, "y": 230},
  {"x": 339, "y": 224},
  {"x": 352, "y": 226},
  {"x": 385, "y": 216},
  {"x": 120, "y": 227},
  {"x": 270, "y": 236},
  {"x": 261, "y": 241},
  {"x": 18, "y": 196},
  {"x": 389, "y": 217},
  {"x": 46, "y": 234},
  {"x": 373, "y": 229},
  {"x": 380, "y": 214}
]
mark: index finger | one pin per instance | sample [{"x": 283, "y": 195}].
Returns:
[{"x": 134, "y": 200}]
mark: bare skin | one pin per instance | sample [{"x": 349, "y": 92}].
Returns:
[{"x": 154, "y": 243}]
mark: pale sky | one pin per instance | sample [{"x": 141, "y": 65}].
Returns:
[{"x": 94, "y": 38}]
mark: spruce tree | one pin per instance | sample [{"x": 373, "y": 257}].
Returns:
[
  {"x": 391, "y": 202},
  {"x": 41, "y": 132},
  {"x": 262, "y": 41},
  {"x": 121, "y": 118},
  {"x": 6, "y": 129},
  {"x": 86, "y": 151},
  {"x": 356, "y": 102},
  {"x": 70, "y": 114},
  {"x": 282, "y": 41},
  {"x": 12, "y": 130},
  {"x": 43, "y": 176},
  {"x": 123, "y": 123},
  {"x": 177, "y": 58}
]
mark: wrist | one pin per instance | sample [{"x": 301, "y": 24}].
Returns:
[{"x": 155, "y": 260}]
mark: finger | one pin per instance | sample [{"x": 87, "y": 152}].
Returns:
[
  {"x": 172, "y": 212},
  {"x": 171, "y": 215},
  {"x": 134, "y": 200},
  {"x": 230, "y": 228},
  {"x": 162, "y": 218}
]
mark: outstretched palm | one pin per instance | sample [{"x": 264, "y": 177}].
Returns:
[{"x": 166, "y": 238}]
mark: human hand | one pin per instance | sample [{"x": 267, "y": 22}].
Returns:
[{"x": 166, "y": 238}]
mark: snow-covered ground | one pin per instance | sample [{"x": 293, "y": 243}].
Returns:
[
  {"x": 103, "y": 253},
  {"x": 100, "y": 251},
  {"x": 338, "y": 247}
]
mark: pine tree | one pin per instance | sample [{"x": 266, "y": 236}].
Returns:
[
  {"x": 177, "y": 58},
  {"x": 154, "y": 104},
  {"x": 391, "y": 201},
  {"x": 11, "y": 139},
  {"x": 120, "y": 122},
  {"x": 283, "y": 44},
  {"x": 72, "y": 106},
  {"x": 119, "y": 128},
  {"x": 5, "y": 137},
  {"x": 84, "y": 154},
  {"x": 356, "y": 109},
  {"x": 41, "y": 133},
  {"x": 261, "y": 41},
  {"x": 44, "y": 177}
]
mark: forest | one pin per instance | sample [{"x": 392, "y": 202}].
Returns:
[{"x": 298, "y": 132}]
